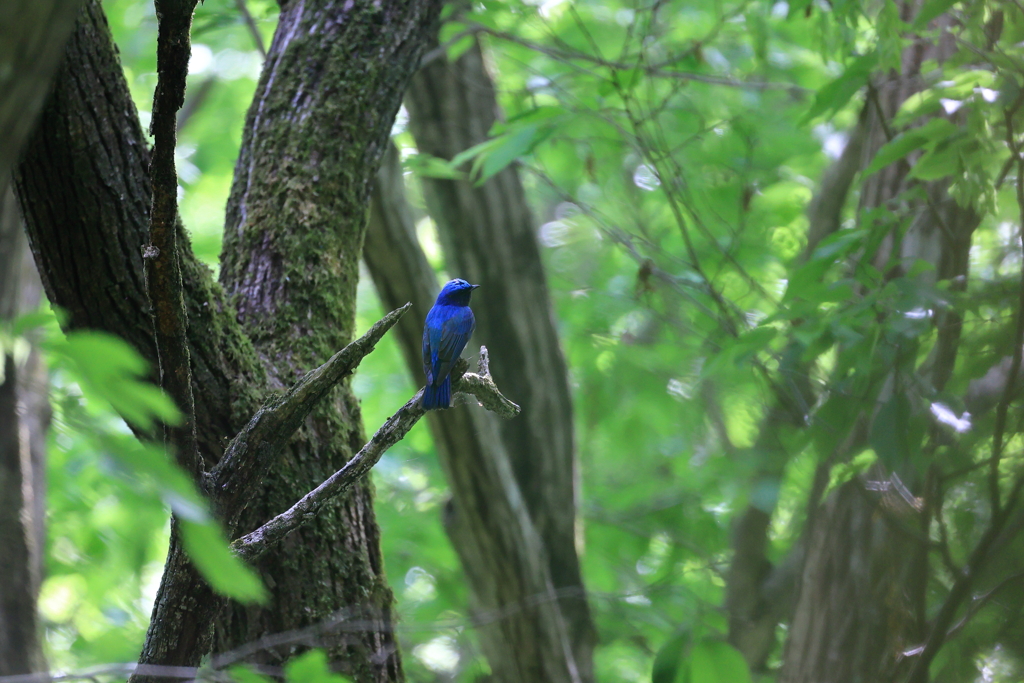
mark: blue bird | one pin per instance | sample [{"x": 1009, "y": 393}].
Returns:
[{"x": 448, "y": 327}]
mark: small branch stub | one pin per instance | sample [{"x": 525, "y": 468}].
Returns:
[{"x": 480, "y": 386}]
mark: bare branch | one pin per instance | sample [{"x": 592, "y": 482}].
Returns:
[
  {"x": 254, "y": 30},
  {"x": 481, "y": 386},
  {"x": 656, "y": 70},
  {"x": 163, "y": 270},
  {"x": 961, "y": 587},
  {"x": 979, "y": 601},
  {"x": 254, "y": 449}
]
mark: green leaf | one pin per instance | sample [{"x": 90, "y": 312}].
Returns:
[
  {"x": 109, "y": 368},
  {"x": 890, "y": 431},
  {"x": 845, "y": 471},
  {"x": 751, "y": 342},
  {"x": 940, "y": 161},
  {"x": 512, "y": 139},
  {"x": 931, "y": 10},
  {"x": 834, "y": 96},
  {"x": 715, "y": 661},
  {"x": 459, "y": 48},
  {"x": 511, "y": 147},
  {"x": 243, "y": 674},
  {"x": 627, "y": 79},
  {"x": 905, "y": 143},
  {"x": 149, "y": 459},
  {"x": 29, "y": 321},
  {"x": 227, "y": 574},
  {"x": 429, "y": 166},
  {"x": 670, "y": 655},
  {"x": 311, "y": 667}
]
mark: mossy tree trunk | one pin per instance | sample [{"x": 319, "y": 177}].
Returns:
[{"x": 324, "y": 107}]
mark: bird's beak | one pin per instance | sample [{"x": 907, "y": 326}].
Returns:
[{"x": 473, "y": 286}]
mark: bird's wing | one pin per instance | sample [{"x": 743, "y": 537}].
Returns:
[{"x": 451, "y": 339}]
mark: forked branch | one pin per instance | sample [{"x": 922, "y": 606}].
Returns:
[
  {"x": 479, "y": 385},
  {"x": 251, "y": 453}
]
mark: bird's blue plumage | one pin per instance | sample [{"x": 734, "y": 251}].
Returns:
[{"x": 448, "y": 327}]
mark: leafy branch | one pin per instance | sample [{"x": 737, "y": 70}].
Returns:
[{"x": 1001, "y": 512}]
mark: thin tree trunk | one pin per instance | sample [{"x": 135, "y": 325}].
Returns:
[
  {"x": 331, "y": 86},
  {"x": 488, "y": 236},
  {"x": 24, "y": 418}
]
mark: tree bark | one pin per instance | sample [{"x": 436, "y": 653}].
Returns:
[
  {"x": 328, "y": 94},
  {"x": 488, "y": 236},
  {"x": 32, "y": 37},
  {"x": 515, "y": 604},
  {"x": 294, "y": 232}
]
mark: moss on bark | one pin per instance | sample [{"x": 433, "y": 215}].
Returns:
[{"x": 332, "y": 85}]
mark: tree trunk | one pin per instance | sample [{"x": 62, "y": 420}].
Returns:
[
  {"x": 32, "y": 37},
  {"x": 24, "y": 419},
  {"x": 516, "y": 609},
  {"x": 862, "y": 590},
  {"x": 488, "y": 236},
  {"x": 294, "y": 233},
  {"x": 328, "y": 94},
  {"x": 757, "y": 594}
]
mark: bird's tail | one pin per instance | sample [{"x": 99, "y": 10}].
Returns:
[{"x": 438, "y": 396}]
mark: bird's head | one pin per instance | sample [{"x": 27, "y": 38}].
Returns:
[{"x": 456, "y": 293}]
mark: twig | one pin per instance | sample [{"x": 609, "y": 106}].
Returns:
[
  {"x": 251, "y": 453},
  {"x": 195, "y": 101},
  {"x": 940, "y": 628},
  {"x": 967, "y": 469},
  {"x": 163, "y": 272},
  {"x": 257, "y": 38},
  {"x": 480, "y": 385},
  {"x": 980, "y": 601},
  {"x": 179, "y": 672}
]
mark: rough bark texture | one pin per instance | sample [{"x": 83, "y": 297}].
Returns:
[
  {"x": 320, "y": 120},
  {"x": 522, "y": 629},
  {"x": 24, "y": 417},
  {"x": 862, "y": 588},
  {"x": 85, "y": 192},
  {"x": 488, "y": 235},
  {"x": 32, "y": 36},
  {"x": 324, "y": 107},
  {"x": 163, "y": 267}
]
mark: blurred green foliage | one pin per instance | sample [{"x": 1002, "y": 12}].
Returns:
[{"x": 650, "y": 138}]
